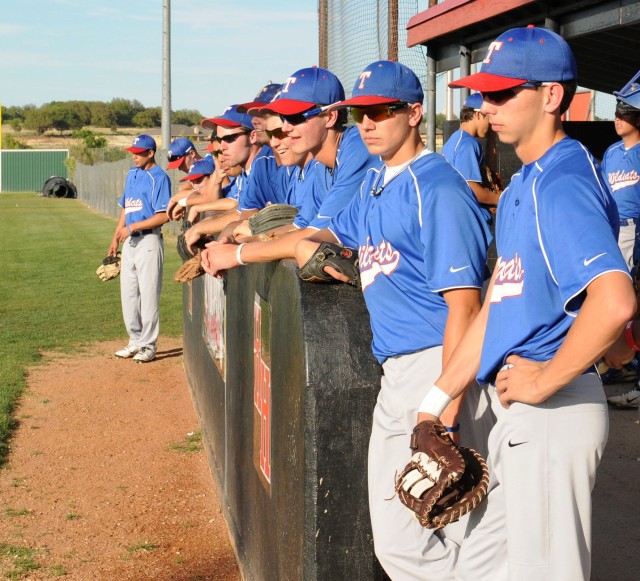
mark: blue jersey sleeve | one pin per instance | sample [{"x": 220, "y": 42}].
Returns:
[
  {"x": 453, "y": 231},
  {"x": 577, "y": 229},
  {"x": 344, "y": 225},
  {"x": 263, "y": 184},
  {"x": 161, "y": 192}
]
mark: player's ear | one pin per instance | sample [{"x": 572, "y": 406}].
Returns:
[
  {"x": 415, "y": 114},
  {"x": 554, "y": 93},
  {"x": 331, "y": 118},
  {"x": 253, "y": 137}
]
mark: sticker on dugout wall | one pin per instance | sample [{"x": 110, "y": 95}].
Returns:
[
  {"x": 262, "y": 390},
  {"x": 215, "y": 320}
]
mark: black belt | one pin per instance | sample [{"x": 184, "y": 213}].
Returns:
[
  {"x": 628, "y": 221},
  {"x": 144, "y": 232}
]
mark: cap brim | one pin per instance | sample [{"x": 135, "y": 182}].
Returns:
[
  {"x": 175, "y": 163},
  {"x": 362, "y": 101},
  {"x": 288, "y": 106},
  {"x": 193, "y": 177},
  {"x": 137, "y": 149},
  {"x": 246, "y": 107},
  {"x": 486, "y": 82}
]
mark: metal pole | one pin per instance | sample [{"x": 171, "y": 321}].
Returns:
[
  {"x": 392, "y": 41},
  {"x": 431, "y": 103},
  {"x": 166, "y": 73},
  {"x": 323, "y": 33}
]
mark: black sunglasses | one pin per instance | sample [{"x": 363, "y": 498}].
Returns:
[
  {"x": 376, "y": 113},
  {"x": 278, "y": 133},
  {"x": 300, "y": 118},
  {"x": 504, "y": 95},
  {"x": 231, "y": 138}
]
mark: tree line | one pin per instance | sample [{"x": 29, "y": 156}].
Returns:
[{"x": 73, "y": 115}]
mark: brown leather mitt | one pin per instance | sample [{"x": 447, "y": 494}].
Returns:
[
  {"x": 443, "y": 481},
  {"x": 191, "y": 269}
]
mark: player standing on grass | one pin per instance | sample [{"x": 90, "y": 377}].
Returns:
[
  {"x": 559, "y": 296},
  {"x": 144, "y": 204},
  {"x": 422, "y": 248}
]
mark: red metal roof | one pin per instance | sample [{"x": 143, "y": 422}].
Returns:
[{"x": 453, "y": 15}]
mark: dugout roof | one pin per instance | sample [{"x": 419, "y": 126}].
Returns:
[{"x": 604, "y": 35}]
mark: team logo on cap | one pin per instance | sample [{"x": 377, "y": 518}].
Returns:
[
  {"x": 364, "y": 75},
  {"x": 285, "y": 86},
  {"x": 494, "y": 46}
]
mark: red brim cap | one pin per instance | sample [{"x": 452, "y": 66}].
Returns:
[
  {"x": 362, "y": 101},
  {"x": 175, "y": 163},
  {"x": 192, "y": 177},
  {"x": 246, "y": 107},
  {"x": 136, "y": 149},
  {"x": 287, "y": 107},
  {"x": 212, "y": 122},
  {"x": 486, "y": 82},
  {"x": 210, "y": 147}
]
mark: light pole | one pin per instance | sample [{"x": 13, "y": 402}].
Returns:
[{"x": 166, "y": 74}]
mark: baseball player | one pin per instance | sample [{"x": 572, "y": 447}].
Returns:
[
  {"x": 422, "y": 244},
  {"x": 559, "y": 296},
  {"x": 144, "y": 204},
  {"x": 463, "y": 151},
  {"x": 181, "y": 155},
  {"x": 343, "y": 158},
  {"x": 621, "y": 165}
]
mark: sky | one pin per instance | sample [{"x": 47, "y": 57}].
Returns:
[{"x": 222, "y": 51}]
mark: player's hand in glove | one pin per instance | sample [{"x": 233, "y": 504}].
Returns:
[
  {"x": 191, "y": 269},
  {"x": 343, "y": 260},
  {"x": 443, "y": 481},
  {"x": 110, "y": 268}
]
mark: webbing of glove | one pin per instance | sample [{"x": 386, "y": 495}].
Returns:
[
  {"x": 428, "y": 483},
  {"x": 272, "y": 216},
  {"x": 191, "y": 269},
  {"x": 491, "y": 179},
  {"x": 183, "y": 249},
  {"x": 342, "y": 258}
]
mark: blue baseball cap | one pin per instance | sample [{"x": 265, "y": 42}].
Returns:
[
  {"x": 520, "y": 56},
  {"x": 264, "y": 96},
  {"x": 473, "y": 101},
  {"x": 384, "y": 82},
  {"x": 630, "y": 95},
  {"x": 230, "y": 118},
  {"x": 203, "y": 167},
  {"x": 142, "y": 143},
  {"x": 177, "y": 150},
  {"x": 305, "y": 89}
]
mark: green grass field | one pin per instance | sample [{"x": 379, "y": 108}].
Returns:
[{"x": 50, "y": 296}]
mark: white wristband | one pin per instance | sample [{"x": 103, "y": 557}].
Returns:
[
  {"x": 183, "y": 202},
  {"x": 238, "y": 257},
  {"x": 434, "y": 402}
]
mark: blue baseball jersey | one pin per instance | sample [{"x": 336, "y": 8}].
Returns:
[
  {"x": 557, "y": 229},
  {"x": 333, "y": 189},
  {"x": 264, "y": 183},
  {"x": 146, "y": 192},
  {"x": 464, "y": 152},
  {"x": 621, "y": 167},
  {"x": 301, "y": 184},
  {"x": 422, "y": 235},
  {"x": 231, "y": 189}
]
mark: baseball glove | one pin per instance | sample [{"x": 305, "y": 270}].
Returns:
[
  {"x": 191, "y": 269},
  {"x": 272, "y": 216},
  {"x": 491, "y": 180},
  {"x": 110, "y": 268},
  {"x": 443, "y": 481},
  {"x": 343, "y": 259},
  {"x": 183, "y": 249}
]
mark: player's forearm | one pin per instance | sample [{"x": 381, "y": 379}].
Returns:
[
  {"x": 276, "y": 249},
  {"x": 609, "y": 305},
  {"x": 484, "y": 195},
  {"x": 155, "y": 221}
]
